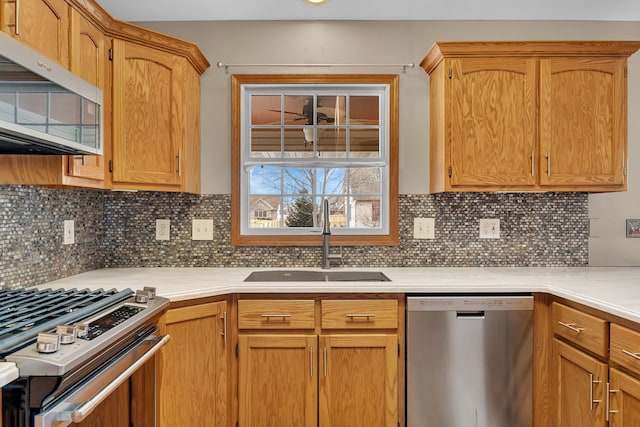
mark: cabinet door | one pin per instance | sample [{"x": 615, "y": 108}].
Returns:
[
  {"x": 147, "y": 116},
  {"x": 582, "y": 121},
  {"x": 192, "y": 371},
  {"x": 42, "y": 25},
  {"x": 359, "y": 380},
  {"x": 624, "y": 400},
  {"x": 88, "y": 60},
  {"x": 278, "y": 380},
  {"x": 492, "y": 116},
  {"x": 579, "y": 387}
]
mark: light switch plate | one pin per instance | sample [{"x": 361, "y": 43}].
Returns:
[
  {"x": 202, "y": 229},
  {"x": 424, "y": 228},
  {"x": 69, "y": 232},
  {"x": 163, "y": 229},
  {"x": 489, "y": 228}
]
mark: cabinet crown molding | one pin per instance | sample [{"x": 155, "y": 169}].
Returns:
[{"x": 547, "y": 48}]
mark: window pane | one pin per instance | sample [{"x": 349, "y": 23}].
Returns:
[
  {"x": 365, "y": 212},
  {"x": 364, "y": 110},
  {"x": 264, "y": 212},
  {"x": 265, "y": 180},
  {"x": 298, "y": 143},
  {"x": 298, "y": 110},
  {"x": 265, "y": 143},
  {"x": 330, "y": 181},
  {"x": 365, "y": 181},
  {"x": 299, "y": 180},
  {"x": 332, "y": 143},
  {"x": 265, "y": 110},
  {"x": 364, "y": 143},
  {"x": 300, "y": 211},
  {"x": 338, "y": 212},
  {"x": 331, "y": 110}
]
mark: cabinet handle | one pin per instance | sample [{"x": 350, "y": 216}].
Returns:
[
  {"x": 352, "y": 315},
  {"x": 17, "y": 17},
  {"x": 608, "y": 409},
  {"x": 324, "y": 351},
  {"x": 548, "y": 163},
  {"x": 179, "y": 162},
  {"x": 224, "y": 326},
  {"x": 533, "y": 164},
  {"x": 591, "y": 383},
  {"x": 571, "y": 326},
  {"x": 629, "y": 353},
  {"x": 268, "y": 315},
  {"x": 311, "y": 361}
]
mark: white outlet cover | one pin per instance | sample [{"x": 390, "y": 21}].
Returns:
[
  {"x": 69, "y": 232},
  {"x": 163, "y": 229},
  {"x": 202, "y": 229},
  {"x": 489, "y": 228},
  {"x": 424, "y": 228}
]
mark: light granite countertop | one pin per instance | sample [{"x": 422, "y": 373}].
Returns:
[{"x": 615, "y": 290}]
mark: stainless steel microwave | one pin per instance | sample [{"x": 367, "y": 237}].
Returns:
[{"x": 44, "y": 108}]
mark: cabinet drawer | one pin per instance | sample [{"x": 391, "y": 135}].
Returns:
[
  {"x": 589, "y": 332},
  {"x": 276, "y": 314},
  {"x": 625, "y": 347},
  {"x": 358, "y": 314}
]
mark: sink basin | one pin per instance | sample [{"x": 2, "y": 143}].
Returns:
[{"x": 316, "y": 276}]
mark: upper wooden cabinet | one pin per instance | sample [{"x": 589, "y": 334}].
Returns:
[
  {"x": 151, "y": 86},
  {"x": 528, "y": 116},
  {"x": 42, "y": 25},
  {"x": 151, "y": 149}
]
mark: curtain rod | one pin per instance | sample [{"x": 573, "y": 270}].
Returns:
[{"x": 403, "y": 66}]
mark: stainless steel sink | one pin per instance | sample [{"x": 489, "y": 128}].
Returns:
[{"x": 316, "y": 276}]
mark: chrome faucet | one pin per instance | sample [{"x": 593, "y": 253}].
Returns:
[{"x": 326, "y": 232}]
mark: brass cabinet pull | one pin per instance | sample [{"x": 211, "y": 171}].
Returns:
[
  {"x": 311, "y": 361},
  {"x": 17, "y": 17},
  {"x": 352, "y": 315},
  {"x": 179, "y": 162},
  {"x": 571, "y": 326},
  {"x": 533, "y": 164},
  {"x": 548, "y": 163}
]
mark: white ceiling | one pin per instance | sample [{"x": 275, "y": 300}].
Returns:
[{"x": 228, "y": 10}]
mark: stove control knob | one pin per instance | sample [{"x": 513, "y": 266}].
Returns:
[
  {"x": 151, "y": 291},
  {"x": 142, "y": 297},
  {"x": 82, "y": 329},
  {"x": 67, "y": 334},
  {"x": 47, "y": 342}
]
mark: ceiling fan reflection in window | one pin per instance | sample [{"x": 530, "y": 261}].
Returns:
[{"x": 307, "y": 116}]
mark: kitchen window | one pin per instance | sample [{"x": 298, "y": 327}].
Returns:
[{"x": 300, "y": 139}]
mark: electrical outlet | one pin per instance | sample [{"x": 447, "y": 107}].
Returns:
[
  {"x": 163, "y": 229},
  {"x": 489, "y": 228},
  {"x": 424, "y": 228},
  {"x": 202, "y": 229},
  {"x": 69, "y": 232}
]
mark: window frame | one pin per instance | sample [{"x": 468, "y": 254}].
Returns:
[{"x": 389, "y": 238}]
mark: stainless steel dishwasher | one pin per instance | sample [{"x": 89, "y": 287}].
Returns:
[{"x": 469, "y": 361}]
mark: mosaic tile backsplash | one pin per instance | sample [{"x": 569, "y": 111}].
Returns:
[{"x": 116, "y": 229}]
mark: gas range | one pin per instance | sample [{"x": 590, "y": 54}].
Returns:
[{"x": 67, "y": 344}]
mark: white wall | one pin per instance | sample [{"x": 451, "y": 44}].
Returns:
[{"x": 399, "y": 42}]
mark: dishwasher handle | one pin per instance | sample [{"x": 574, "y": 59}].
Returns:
[{"x": 470, "y": 315}]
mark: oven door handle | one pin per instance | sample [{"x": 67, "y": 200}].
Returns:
[{"x": 79, "y": 414}]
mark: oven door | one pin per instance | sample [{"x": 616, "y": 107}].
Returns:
[{"x": 75, "y": 405}]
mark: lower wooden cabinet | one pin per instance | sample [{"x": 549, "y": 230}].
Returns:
[
  {"x": 359, "y": 380},
  {"x": 319, "y": 362},
  {"x": 579, "y": 387},
  {"x": 278, "y": 380},
  {"x": 624, "y": 394},
  {"x": 191, "y": 370}
]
